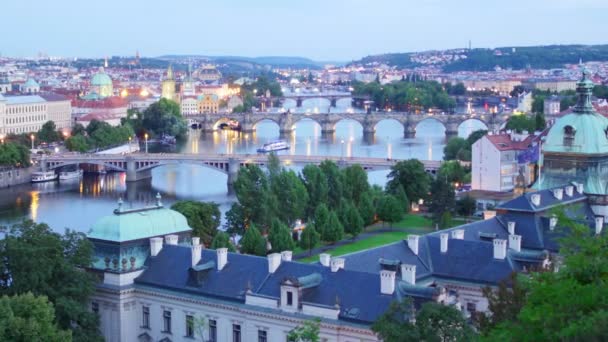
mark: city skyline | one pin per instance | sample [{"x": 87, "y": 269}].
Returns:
[{"x": 336, "y": 31}]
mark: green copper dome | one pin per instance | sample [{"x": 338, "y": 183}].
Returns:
[
  {"x": 31, "y": 83},
  {"x": 101, "y": 79},
  {"x": 581, "y": 132},
  {"x": 137, "y": 224}
]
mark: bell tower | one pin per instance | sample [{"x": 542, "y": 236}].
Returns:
[{"x": 168, "y": 86}]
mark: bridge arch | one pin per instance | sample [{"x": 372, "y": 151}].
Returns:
[
  {"x": 307, "y": 121},
  {"x": 120, "y": 166},
  {"x": 266, "y": 119},
  {"x": 429, "y": 122},
  {"x": 326, "y": 102},
  {"x": 346, "y": 126},
  {"x": 470, "y": 125},
  {"x": 222, "y": 167},
  {"x": 223, "y": 120}
]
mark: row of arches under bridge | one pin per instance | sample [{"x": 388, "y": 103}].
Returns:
[{"x": 409, "y": 131}]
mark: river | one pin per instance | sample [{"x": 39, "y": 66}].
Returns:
[{"x": 77, "y": 205}]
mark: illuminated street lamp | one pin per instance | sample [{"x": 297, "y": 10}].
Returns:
[
  {"x": 342, "y": 149},
  {"x": 32, "y": 137},
  {"x": 129, "y": 144},
  {"x": 146, "y": 137},
  {"x": 2, "y": 138}
]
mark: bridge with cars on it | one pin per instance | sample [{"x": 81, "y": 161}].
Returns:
[{"x": 138, "y": 165}]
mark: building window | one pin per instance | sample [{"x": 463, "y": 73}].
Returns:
[
  {"x": 145, "y": 317},
  {"x": 289, "y": 298},
  {"x": 236, "y": 333},
  {"x": 262, "y": 336},
  {"x": 167, "y": 321},
  {"x": 95, "y": 308},
  {"x": 569, "y": 133},
  {"x": 189, "y": 326},
  {"x": 212, "y": 330},
  {"x": 471, "y": 307}
]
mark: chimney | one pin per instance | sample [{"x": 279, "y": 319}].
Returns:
[
  {"x": 286, "y": 255},
  {"x": 156, "y": 244},
  {"x": 558, "y": 193},
  {"x": 336, "y": 264},
  {"x": 500, "y": 249},
  {"x": 580, "y": 188},
  {"x": 535, "y": 198},
  {"x": 552, "y": 222},
  {"x": 444, "y": 242},
  {"x": 569, "y": 190},
  {"x": 171, "y": 239},
  {"x": 412, "y": 243},
  {"x": 511, "y": 227},
  {"x": 387, "y": 282},
  {"x": 324, "y": 259},
  {"x": 408, "y": 273},
  {"x": 196, "y": 241},
  {"x": 274, "y": 261},
  {"x": 196, "y": 254},
  {"x": 458, "y": 234},
  {"x": 222, "y": 258},
  {"x": 515, "y": 242},
  {"x": 599, "y": 224}
]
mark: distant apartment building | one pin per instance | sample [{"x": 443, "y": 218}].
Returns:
[
  {"x": 496, "y": 161},
  {"x": 59, "y": 109},
  {"x": 551, "y": 105},
  {"x": 501, "y": 86},
  {"x": 27, "y": 113},
  {"x": 555, "y": 86}
]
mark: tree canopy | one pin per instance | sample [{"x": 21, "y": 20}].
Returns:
[
  {"x": 253, "y": 242},
  {"x": 203, "y": 218},
  {"x": 162, "y": 117},
  {"x": 412, "y": 176},
  {"x": 14, "y": 155}
]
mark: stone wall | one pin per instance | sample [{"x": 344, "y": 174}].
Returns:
[{"x": 12, "y": 177}]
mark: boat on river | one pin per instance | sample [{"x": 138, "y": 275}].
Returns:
[
  {"x": 44, "y": 176},
  {"x": 274, "y": 146},
  {"x": 67, "y": 175}
]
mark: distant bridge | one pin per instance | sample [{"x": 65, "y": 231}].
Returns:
[
  {"x": 328, "y": 121},
  {"x": 299, "y": 98},
  {"x": 138, "y": 165}
]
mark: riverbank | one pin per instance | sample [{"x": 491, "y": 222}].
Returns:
[{"x": 15, "y": 176}]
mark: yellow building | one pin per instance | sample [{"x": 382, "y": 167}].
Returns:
[
  {"x": 168, "y": 86},
  {"x": 208, "y": 103}
]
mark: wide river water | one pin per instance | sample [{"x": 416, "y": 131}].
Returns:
[{"x": 78, "y": 204}]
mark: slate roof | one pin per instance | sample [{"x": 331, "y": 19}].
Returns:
[{"x": 547, "y": 201}]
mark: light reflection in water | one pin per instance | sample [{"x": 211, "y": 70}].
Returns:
[{"x": 34, "y": 204}]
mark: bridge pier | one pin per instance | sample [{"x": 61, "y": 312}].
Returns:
[
  {"x": 409, "y": 132},
  {"x": 299, "y": 102},
  {"x": 133, "y": 175},
  {"x": 333, "y": 102},
  {"x": 369, "y": 138},
  {"x": 233, "y": 172}
]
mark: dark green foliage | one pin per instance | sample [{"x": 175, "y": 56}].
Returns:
[
  {"x": 367, "y": 209},
  {"x": 401, "y": 196},
  {"x": 476, "y": 135},
  {"x": 162, "y": 117},
  {"x": 252, "y": 191},
  {"x": 389, "y": 209},
  {"x": 433, "y": 322},
  {"x": 412, "y": 176},
  {"x": 14, "y": 155},
  {"x": 203, "y": 218},
  {"x": 308, "y": 332},
  {"x": 452, "y": 171},
  {"x": 600, "y": 91},
  {"x": 317, "y": 187},
  {"x": 310, "y": 237},
  {"x": 48, "y": 133},
  {"x": 351, "y": 220},
  {"x": 235, "y": 221},
  {"x": 520, "y": 123},
  {"x": 406, "y": 96},
  {"x": 355, "y": 183},
  {"x": 442, "y": 198},
  {"x": 335, "y": 183},
  {"x": 334, "y": 231},
  {"x": 504, "y": 303},
  {"x": 222, "y": 240},
  {"x": 77, "y": 143},
  {"x": 25, "y": 318},
  {"x": 454, "y": 148},
  {"x": 466, "y": 206},
  {"x": 37, "y": 260},
  {"x": 280, "y": 237},
  {"x": 253, "y": 242},
  {"x": 322, "y": 220},
  {"x": 99, "y": 135},
  {"x": 291, "y": 196}
]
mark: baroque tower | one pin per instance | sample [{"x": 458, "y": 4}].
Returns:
[{"x": 168, "y": 85}]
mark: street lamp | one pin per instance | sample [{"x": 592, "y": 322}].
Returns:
[
  {"x": 342, "y": 149},
  {"x": 146, "y": 138},
  {"x": 129, "y": 144},
  {"x": 32, "y": 137}
]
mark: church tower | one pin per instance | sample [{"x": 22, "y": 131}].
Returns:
[
  {"x": 168, "y": 85},
  {"x": 188, "y": 84}
]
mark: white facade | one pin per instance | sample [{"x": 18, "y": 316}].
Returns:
[
  {"x": 22, "y": 114},
  {"x": 189, "y": 106},
  {"x": 60, "y": 112},
  {"x": 493, "y": 169}
]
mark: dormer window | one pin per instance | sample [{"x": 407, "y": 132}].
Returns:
[
  {"x": 290, "y": 298},
  {"x": 569, "y": 133}
]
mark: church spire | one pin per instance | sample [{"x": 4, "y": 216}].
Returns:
[
  {"x": 584, "y": 90},
  {"x": 170, "y": 72}
]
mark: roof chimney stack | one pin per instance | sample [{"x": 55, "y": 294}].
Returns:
[
  {"x": 444, "y": 242},
  {"x": 569, "y": 190},
  {"x": 535, "y": 198},
  {"x": 387, "y": 282},
  {"x": 500, "y": 249},
  {"x": 558, "y": 193},
  {"x": 552, "y": 222},
  {"x": 196, "y": 254},
  {"x": 337, "y": 264},
  {"x": 458, "y": 234},
  {"x": 511, "y": 227},
  {"x": 274, "y": 261},
  {"x": 222, "y": 258},
  {"x": 408, "y": 273},
  {"x": 196, "y": 240},
  {"x": 286, "y": 255},
  {"x": 599, "y": 225},
  {"x": 324, "y": 259},
  {"x": 580, "y": 188},
  {"x": 156, "y": 244},
  {"x": 171, "y": 239},
  {"x": 412, "y": 243},
  {"x": 515, "y": 242}
]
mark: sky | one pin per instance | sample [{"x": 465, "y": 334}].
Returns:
[{"x": 324, "y": 30}]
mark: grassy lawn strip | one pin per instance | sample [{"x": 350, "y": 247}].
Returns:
[{"x": 370, "y": 242}]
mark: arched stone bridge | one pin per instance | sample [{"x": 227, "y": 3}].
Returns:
[
  {"x": 299, "y": 98},
  {"x": 328, "y": 121},
  {"x": 138, "y": 165}
]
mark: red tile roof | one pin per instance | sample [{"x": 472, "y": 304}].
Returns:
[{"x": 504, "y": 142}]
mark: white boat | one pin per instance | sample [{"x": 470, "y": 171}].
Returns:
[
  {"x": 43, "y": 176},
  {"x": 274, "y": 146},
  {"x": 66, "y": 175}
]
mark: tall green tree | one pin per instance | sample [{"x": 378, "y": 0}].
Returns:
[
  {"x": 77, "y": 143},
  {"x": 14, "y": 155},
  {"x": 310, "y": 238},
  {"x": 442, "y": 199},
  {"x": 252, "y": 191},
  {"x": 203, "y": 218},
  {"x": 25, "y": 318},
  {"x": 322, "y": 219},
  {"x": 48, "y": 133},
  {"x": 235, "y": 220},
  {"x": 389, "y": 209},
  {"x": 401, "y": 196},
  {"x": 317, "y": 187},
  {"x": 466, "y": 206},
  {"x": 163, "y": 117},
  {"x": 37, "y": 260},
  {"x": 222, "y": 240},
  {"x": 355, "y": 183},
  {"x": 352, "y": 221},
  {"x": 291, "y": 197},
  {"x": 455, "y": 149},
  {"x": 452, "y": 171},
  {"x": 280, "y": 237},
  {"x": 274, "y": 166},
  {"x": 334, "y": 231},
  {"x": 412, "y": 176},
  {"x": 253, "y": 242},
  {"x": 335, "y": 183},
  {"x": 367, "y": 209}
]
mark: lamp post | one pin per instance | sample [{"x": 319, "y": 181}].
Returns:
[
  {"x": 146, "y": 138},
  {"x": 342, "y": 149},
  {"x": 32, "y": 138},
  {"x": 129, "y": 144}
]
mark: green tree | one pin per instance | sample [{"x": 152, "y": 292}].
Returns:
[
  {"x": 222, "y": 240},
  {"x": 235, "y": 220},
  {"x": 335, "y": 184},
  {"x": 310, "y": 238},
  {"x": 291, "y": 197},
  {"x": 476, "y": 135},
  {"x": 504, "y": 303},
  {"x": 203, "y": 218},
  {"x": 317, "y": 188},
  {"x": 401, "y": 196},
  {"x": 445, "y": 220},
  {"x": 77, "y": 143},
  {"x": 163, "y": 117},
  {"x": 389, "y": 209},
  {"x": 452, "y": 171},
  {"x": 29, "y": 318},
  {"x": 252, "y": 191},
  {"x": 78, "y": 129},
  {"x": 280, "y": 237},
  {"x": 466, "y": 206},
  {"x": 37, "y": 260},
  {"x": 412, "y": 176},
  {"x": 454, "y": 148},
  {"x": 367, "y": 209},
  {"x": 433, "y": 322},
  {"x": 520, "y": 123},
  {"x": 322, "y": 220},
  {"x": 14, "y": 155},
  {"x": 48, "y": 133},
  {"x": 334, "y": 231},
  {"x": 274, "y": 166},
  {"x": 442, "y": 198},
  {"x": 540, "y": 122},
  {"x": 355, "y": 183},
  {"x": 307, "y": 332},
  {"x": 253, "y": 242},
  {"x": 352, "y": 221}
]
